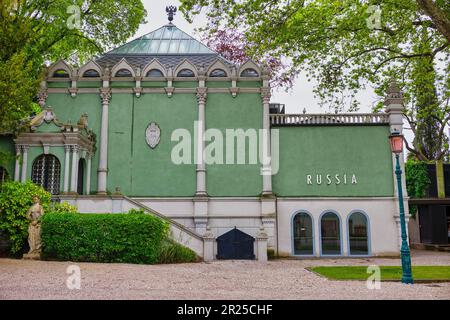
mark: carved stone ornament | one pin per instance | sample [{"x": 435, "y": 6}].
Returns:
[
  {"x": 49, "y": 115},
  {"x": 153, "y": 135}
]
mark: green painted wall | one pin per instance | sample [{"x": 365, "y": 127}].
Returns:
[
  {"x": 218, "y": 84},
  {"x": 133, "y": 166},
  {"x": 153, "y": 84},
  {"x": 120, "y": 143},
  {"x": 123, "y": 84},
  {"x": 7, "y": 147},
  {"x": 89, "y": 84},
  {"x": 225, "y": 112},
  {"x": 68, "y": 108},
  {"x": 185, "y": 84},
  {"x": 59, "y": 84},
  {"x": 360, "y": 150},
  {"x": 249, "y": 84}
]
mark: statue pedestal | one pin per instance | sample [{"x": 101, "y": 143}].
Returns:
[{"x": 31, "y": 256}]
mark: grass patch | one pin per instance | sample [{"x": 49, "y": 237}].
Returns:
[{"x": 387, "y": 272}]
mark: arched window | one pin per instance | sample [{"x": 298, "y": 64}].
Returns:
[
  {"x": 123, "y": 73},
  {"x": 249, "y": 73},
  {"x": 303, "y": 234},
  {"x": 46, "y": 172},
  {"x": 330, "y": 234},
  {"x": 187, "y": 73},
  {"x": 91, "y": 73},
  {"x": 155, "y": 73},
  {"x": 218, "y": 73},
  {"x": 3, "y": 175},
  {"x": 60, "y": 73},
  {"x": 358, "y": 234}
]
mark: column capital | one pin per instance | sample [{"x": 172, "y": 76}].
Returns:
[
  {"x": 105, "y": 95},
  {"x": 25, "y": 147},
  {"x": 18, "y": 148},
  {"x": 265, "y": 95},
  {"x": 75, "y": 148},
  {"x": 67, "y": 148},
  {"x": 202, "y": 95}
]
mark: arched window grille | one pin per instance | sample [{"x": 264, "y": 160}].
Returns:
[
  {"x": 91, "y": 73},
  {"x": 303, "y": 234},
  {"x": 60, "y": 73},
  {"x": 155, "y": 73},
  {"x": 187, "y": 73},
  {"x": 46, "y": 172},
  {"x": 249, "y": 73},
  {"x": 330, "y": 234},
  {"x": 123, "y": 73},
  {"x": 358, "y": 234},
  {"x": 218, "y": 73}
]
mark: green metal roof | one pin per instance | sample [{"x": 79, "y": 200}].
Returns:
[{"x": 165, "y": 40}]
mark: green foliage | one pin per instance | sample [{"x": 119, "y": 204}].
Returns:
[
  {"x": 36, "y": 31},
  {"x": 136, "y": 211},
  {"x": 172, "y": 252},
  {"x": 15, "y": 200},
  {"x": 417, "y": 179},
  {"x": 129, "y": 238},
  {"x": 64, "y": 207},
  {"x": 18, "y": 88}
]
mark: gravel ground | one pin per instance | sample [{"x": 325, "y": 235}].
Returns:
[{"x": 277, "y": 279}]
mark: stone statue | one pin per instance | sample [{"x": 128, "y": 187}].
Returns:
[{"x": 34, "y": 229}]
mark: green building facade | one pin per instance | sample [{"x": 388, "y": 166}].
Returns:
[{"x": 125, "y": 130}]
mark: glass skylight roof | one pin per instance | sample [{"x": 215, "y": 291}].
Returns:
[{"x": 165, "y": 40}]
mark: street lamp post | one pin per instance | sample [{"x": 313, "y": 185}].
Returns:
[{"x": 396, "y": 140}]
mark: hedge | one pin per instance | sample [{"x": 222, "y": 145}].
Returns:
[
  {"x": 129, "y": 238},
  {"x": 172, "y": 252}
]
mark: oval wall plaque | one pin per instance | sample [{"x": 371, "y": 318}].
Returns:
[{"x": 153, "y": 134}]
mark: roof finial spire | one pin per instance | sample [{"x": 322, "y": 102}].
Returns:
[{"x": 171, "y": 12}]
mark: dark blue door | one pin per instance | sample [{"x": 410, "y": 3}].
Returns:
[{"x": 235, "y": 244}]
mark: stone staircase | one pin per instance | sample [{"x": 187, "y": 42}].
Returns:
[{"x": 178, "y": 232}]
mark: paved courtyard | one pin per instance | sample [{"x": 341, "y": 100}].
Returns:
[{"x": 278, "y": 279}]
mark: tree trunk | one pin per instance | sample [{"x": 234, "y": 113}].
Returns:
[{"x": 437, "y": 15}]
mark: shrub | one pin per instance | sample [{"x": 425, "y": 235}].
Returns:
[
  {"x": 15, "y": 200},
  {"x": 130, "y": 238},
  {"x": 172, "y": 252},
  {"x": 136, "y": 211},
  {"x": 64, "y": 207}
]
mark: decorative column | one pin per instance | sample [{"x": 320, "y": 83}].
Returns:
[
  {"x": 66, "y": 168},
  {"x": 268, "y": 200},
  {"x": 394, "y": 108},
  {"x": 266, "y": 169},
  {"x": 24, "y": 162},
  {"x": 201, "y": 197},
  {"x": 201, "y": 167},
  {"x": 17, "y": 164},
  {"x": 88, "y": 173},
  {"x": 73, "y": 178},
  {"x": 105, "y": 95}
]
